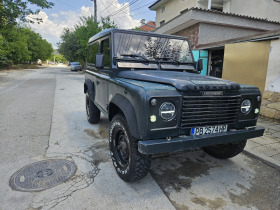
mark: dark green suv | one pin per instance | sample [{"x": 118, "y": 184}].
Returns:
[{"x": 150, "y": 89}]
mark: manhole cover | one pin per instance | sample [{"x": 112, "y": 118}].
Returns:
[{"x": 42, "y": 175}]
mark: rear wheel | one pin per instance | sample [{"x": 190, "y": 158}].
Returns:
[
  {"x": 93, "y": 113},
  {"x": 130, "y": 165},
  {"x": 225, "y": 151}
]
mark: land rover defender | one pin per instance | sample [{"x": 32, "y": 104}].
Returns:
[{"x": 150, "y": 88}]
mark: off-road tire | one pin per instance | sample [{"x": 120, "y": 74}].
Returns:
[
  {"x": 93, "y": 113},
  {"x": 225, "y": 151},
  {"x": 136, "y": 165}
]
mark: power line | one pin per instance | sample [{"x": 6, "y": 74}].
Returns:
[
  {"x": 106, "y": 7},
  {"x": 139, "y": 8},
  {"x": 66, "y": 4},
  {"x": 125, "y": 7},
  {"x": 109, "y": 12},
  {"x": 88, "y": 3}
]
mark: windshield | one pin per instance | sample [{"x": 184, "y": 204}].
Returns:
[{"x": 152, "y": 47}]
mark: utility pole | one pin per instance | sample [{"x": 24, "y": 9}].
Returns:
[
  {"x": 95, "y": 10},
  {"x": 209, "y": 4}
]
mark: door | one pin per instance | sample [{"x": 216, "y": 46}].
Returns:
[{"x": 103, "y": 77}]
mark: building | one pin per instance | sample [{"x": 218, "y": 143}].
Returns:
[
  {"x": 166, "y": 10},
  {"x": 149, "y": 26},
  {"x": 203, "y": 26},
  {"x": 237, "y": 40},
  {"x": 253, "y": 60}
]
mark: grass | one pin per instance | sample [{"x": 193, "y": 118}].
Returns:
[{"x": 20, "y": 66}]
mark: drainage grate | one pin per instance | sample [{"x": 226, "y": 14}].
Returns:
[{"x": 42, "y": 175}]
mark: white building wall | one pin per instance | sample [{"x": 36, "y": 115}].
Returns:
[
  {"x": 173, "y": 8},
  {"x": 273, "y": 70},
  {"x": 266, "y": 9}
]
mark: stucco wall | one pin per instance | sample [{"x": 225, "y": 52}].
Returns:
[
  {"x": 271, "y": 96},
  {"x": 173, "y": 9},
  {"x": 267, "y": 9},
  {"x": 273, "y": 70},
  {"x": 209, "y": 33},
  {"x": 246, "y": 63}
]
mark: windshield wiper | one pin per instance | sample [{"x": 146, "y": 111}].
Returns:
[
  {"x": 135, "y": 56},
  {"x": 172, "y": 59}
]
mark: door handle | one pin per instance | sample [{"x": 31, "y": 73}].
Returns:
[{"x": 97, "y": 82}]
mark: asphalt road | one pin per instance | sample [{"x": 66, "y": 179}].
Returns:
[{"x": 42, "y": 116}]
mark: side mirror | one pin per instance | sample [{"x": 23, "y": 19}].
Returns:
[
  {"x": 99, "y": 60},
  {"x": 200, "y": 65}
]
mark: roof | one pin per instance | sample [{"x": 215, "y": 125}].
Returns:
[
  {"x": 271, "y": 35},
  {"x": 113, "y": 30},
  {"x": 105, "y": 32},
  {"x": 230, "y": 14},
  {"x": 156, "y": 3},
  {"x": 151, "y": 25},
  {"x": 194, "y": 15}
]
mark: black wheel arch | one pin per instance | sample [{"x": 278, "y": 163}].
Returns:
[
  {"x": 120, "y": 104},
  {"x": 90, "y": 88}
]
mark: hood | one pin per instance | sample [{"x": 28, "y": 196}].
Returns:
[{"x": 181, "y": 80}]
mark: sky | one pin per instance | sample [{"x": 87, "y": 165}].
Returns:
[{"x": 66, "y": 13}]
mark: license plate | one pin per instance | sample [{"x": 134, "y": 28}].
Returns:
[{"x": 209, "y": 130}]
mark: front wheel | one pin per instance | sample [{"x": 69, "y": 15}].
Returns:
[
  {"x": 130, "y": 165},
  {"x": 225, "y": 151}
]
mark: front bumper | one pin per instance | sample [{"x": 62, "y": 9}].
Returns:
[{"x": 177, "y": 144}]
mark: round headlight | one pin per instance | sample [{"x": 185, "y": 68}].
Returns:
[
  {"x": 246, "y": 106},
  {"x": 167, "y": 111}
]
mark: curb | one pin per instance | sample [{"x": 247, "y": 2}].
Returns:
[{"x": 264, "y": 159}]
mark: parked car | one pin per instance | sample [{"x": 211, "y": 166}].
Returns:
[
  {"x": 75, "y": 66},
  {"x": 150, "y": 88}
]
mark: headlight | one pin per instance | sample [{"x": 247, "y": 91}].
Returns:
[
  {"x": 167, "y": 110},
  {"x": 246, "y": 106}
]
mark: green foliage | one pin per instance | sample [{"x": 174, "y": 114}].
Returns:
[
  {"x": 10, "y": 10},
  {"x": 22, "y": 45},
  {"x": 136, "y": 29},
  {"x": 58, "y": 58},
  {"x": 74, "y": 42}
]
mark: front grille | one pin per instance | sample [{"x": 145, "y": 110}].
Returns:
[{"x": 209, "y": 110}]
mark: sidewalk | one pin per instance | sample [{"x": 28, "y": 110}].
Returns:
[{"x": 267, "y": 147}]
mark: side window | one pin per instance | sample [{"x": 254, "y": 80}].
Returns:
[
  {"x": 105, "y": 49},
  {"x": 92, "y": 50}
]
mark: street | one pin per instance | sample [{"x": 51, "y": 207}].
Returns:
[{"x": 42, "y": 116}]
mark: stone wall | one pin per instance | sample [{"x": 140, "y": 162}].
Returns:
[
  {"x": 271, "y": 105},
  {"x": 191, "y": 33}
]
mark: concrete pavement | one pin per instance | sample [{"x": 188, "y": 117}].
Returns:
[
  {"x": 267, "y": 147},
  {"x": 189, "y": 180}
]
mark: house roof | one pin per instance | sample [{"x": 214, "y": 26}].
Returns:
[
  {"x": 271, "y": 35},
  {"x": 195, "y": 15},
  {"x": 156, "y": 4},
  {"x": 231, "y": 14},
  {"x": 151, "y": 25}
]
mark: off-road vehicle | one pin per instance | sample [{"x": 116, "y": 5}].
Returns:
[{"x": 150, "y": 88}]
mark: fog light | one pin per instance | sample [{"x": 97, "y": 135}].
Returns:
[
  {"x": 153, "y": 118},
  {"x": 257, "y": 111}
]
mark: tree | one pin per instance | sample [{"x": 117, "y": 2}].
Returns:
[
  {"x": 69, "y": 45},
  {"x": 21, "y": 44},
  {"x": 10, "y": 10},
  {"x": 74, "y": 42}
]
